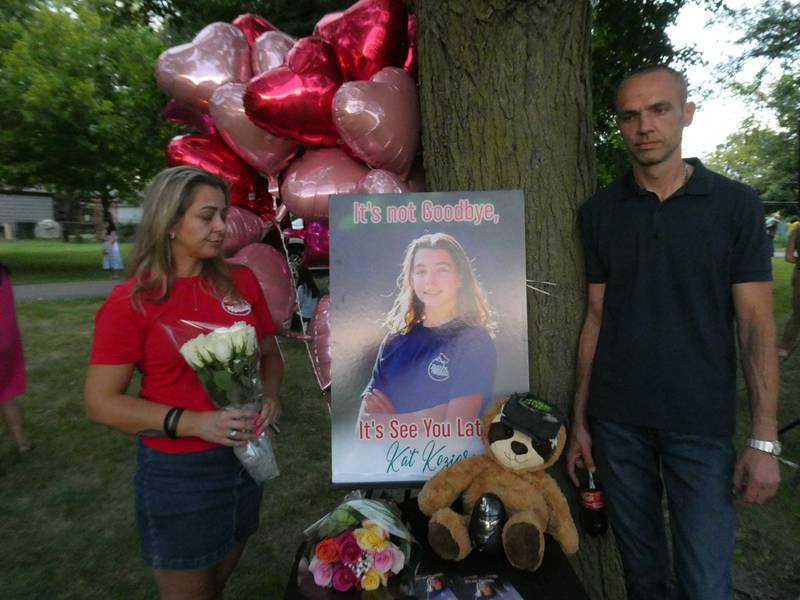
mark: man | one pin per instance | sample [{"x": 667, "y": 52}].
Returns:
[{"x": 675, "y": 255}]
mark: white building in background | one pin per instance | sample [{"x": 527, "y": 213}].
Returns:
[
  {"x": 127, "y": 215},
  {"x": 21, "y": 210}
]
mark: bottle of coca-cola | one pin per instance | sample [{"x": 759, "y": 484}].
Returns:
[{"x": 595, "y": 521}]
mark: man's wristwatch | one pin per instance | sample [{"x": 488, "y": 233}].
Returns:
[{"x": 770, "y": 447}]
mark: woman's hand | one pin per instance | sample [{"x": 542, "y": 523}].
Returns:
[
  {"x": 376, "y": 402},
  {"x": 271, "y": 411},
  {"x": 233, "y": 427}
]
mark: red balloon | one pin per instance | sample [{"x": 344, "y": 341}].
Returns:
[
  {"x": 252, "y": 26},
  {"x": 273, "y": 274},
  {"x": 295, "y": 101},
  {"x": 186, "y": 115},
  {"x": 261, "y": 204},
  {"x": 368, "y": 36},
  {"x": 410, "y": 63},
  {"x": 210, "y": 153},
  {"x": 242, "y": 228},
  {"x": 319, "y": 329},
  {"x": 331, "y": 16},
  {"x": 310, "y": 179},
  {"x": 379, "y": 119},
  {"x": 191, "y": 72},
  {"x": 317, "y": 245}
]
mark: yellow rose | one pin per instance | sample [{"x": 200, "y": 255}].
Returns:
[
  {"x": 370, "y": 538},
  {"x": 372, "y": 580}
]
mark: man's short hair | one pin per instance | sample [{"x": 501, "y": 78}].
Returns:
[{"x": 680, "y": 79}]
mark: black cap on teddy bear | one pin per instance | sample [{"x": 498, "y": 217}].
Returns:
[{"x": 532, "y": 416}]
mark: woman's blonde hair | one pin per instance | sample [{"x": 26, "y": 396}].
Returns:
[
  {"x": 166, "y": 199},
  {"x": 471, "y": 305}
]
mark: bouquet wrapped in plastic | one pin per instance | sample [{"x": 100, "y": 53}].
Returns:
[
  {"x": 362, "y": 546},
  {"x": 226, "y": 360}
]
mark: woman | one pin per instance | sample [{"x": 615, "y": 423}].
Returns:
[
  {"x": 307, "y": 297},
  {"x": 792, "y": 328},
  {"x": 111, "y": 257},
  {"x": 12, "y": 364},
  {"x": 438, "y": 359},
  {"x": 195, "y": 505}
]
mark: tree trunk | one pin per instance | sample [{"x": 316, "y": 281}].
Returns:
[{"x": 506, "y": 104}]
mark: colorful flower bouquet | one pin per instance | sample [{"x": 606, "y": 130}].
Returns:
[
  {"x": 226, "y": 360},
  {"x": 361, "y": 546}
]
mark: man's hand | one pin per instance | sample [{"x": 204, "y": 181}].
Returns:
[
  {"x": 579, "y": 452},
  {"x": 756, "y": 477}
]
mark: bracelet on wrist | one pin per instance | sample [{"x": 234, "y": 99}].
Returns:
[{"x": 171, "y": 422}]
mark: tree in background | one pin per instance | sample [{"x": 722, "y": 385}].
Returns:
[
  {"x": 766, "y": 157},
  {"x": 80, "y": 107}
]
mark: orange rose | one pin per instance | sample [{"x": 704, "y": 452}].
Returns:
[{"x": 327, "y": 551}]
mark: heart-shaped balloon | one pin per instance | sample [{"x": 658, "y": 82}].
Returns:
[
  {"x": 295, "y": 101},
  {"x": 210, "y": 153},
  {"x": 319, "y": 330},
  {"x": 379, "y": 181},
  {"x": 191, "y": 72},
  {"x": 270, "y": 50},
  {"x": 186, "y": 115},
  {"x": 252, "y": 26},
  {"x": 316, "y": 246},
  {"x": 242, "y": 228},
  {"x": 368, "y": 36},
  {"x": 257, "y": 147},
  {"x": 410, "y": 63},
  {"x": 273, "y": 275},
  {"x": 328, "y": 18},
  {"x": 379, "y": 119},
  {"x": 310, "y": 179}
]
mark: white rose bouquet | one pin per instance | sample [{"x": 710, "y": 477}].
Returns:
[{"x": 226, "y": 360}]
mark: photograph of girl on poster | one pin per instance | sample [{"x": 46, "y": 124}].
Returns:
[{"x": 438, "y": 359}]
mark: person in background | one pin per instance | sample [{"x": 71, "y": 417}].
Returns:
[
  {"x": 669, "y": 290},
  {"x": 792, "y": 328},
  {"x": 307, "y": 296},
  {"x": 195, "y": 504},
  {"x": 12, "y": 364},
  {"x": 112, "y": 259}
]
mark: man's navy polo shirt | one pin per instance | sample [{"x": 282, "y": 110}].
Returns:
[{"x": 666, "y": 355}]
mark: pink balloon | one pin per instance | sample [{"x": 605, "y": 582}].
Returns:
[
  {"x": 294, "y": 101},
  {"x": 270, "y": 50},
  {"x": 258, "y": 148},
  {"x": 324, "y": 21},
  {"x": 317, "y": 244},
  {"x": 410, "y": 63},
  {"x": 379, "y": 181},
  {"x": 310, "y": 179},
  {"x": 252, "y": 26},
  {"x": 191, "y": 72},
  {"x": 319, "y": 330},
  {"x": 379, "y": 119},
  {"x": 368, "y": 36},
  {"x": 211, "y": 153},
  {"x": 242, "y": 227},
  {"x": 186, "y": 115},
  {"x": 272, "y": 271}
]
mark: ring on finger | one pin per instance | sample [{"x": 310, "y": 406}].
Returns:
[{"x": 232, "y": 434}]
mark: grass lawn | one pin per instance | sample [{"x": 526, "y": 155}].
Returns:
[
  {"x": 44, "y": 261},
  {"x": 66, "y": 512}
]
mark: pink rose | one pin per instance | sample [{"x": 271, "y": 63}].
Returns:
[
  {"x": 349, "y": 552},
  {"x": 343, "y": 578},
  {"x": 398, "y": 558},
  {"x": 382, "y": 560},
  {"x": 322, "y": 572}
]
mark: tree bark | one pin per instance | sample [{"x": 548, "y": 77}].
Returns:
[{"x": 506, "y": 104}]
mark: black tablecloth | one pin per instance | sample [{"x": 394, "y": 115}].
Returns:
[{"x": 554, "y": 580}]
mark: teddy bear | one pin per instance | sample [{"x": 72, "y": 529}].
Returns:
[{"x": 523, "y": 435}]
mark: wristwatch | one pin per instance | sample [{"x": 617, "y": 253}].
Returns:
[{"x": 770, "y": 447}]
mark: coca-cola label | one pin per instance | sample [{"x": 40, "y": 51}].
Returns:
[{"x": 592, "y": 499}]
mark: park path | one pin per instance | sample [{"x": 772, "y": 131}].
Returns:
[{"x": 33, "y": 292}]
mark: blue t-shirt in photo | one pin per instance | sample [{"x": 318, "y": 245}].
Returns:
[{"x": 429, "y": 366}]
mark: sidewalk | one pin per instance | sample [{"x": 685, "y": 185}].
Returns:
[{"x": 33, "y": 292}]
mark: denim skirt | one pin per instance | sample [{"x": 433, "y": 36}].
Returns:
[{"x": 192, "y": 508}]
